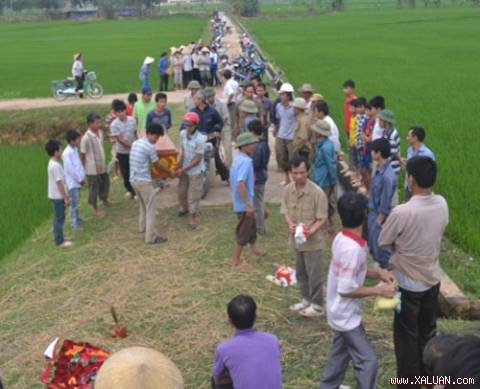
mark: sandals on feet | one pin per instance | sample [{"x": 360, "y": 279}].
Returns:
[{"x": 159, "y": 240}]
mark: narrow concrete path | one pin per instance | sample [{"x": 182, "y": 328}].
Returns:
[{"x": 219, "y": 193}]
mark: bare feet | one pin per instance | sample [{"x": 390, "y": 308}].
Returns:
[
  {"x": 258, "y": 254},
  {"x": 331, "y": 231},
  {"x": 242, "y": 266},
  {"x": 99, "y": 214},
  {"x": 107, "y": 204}
]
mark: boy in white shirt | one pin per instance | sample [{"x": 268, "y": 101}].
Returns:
[
  {"x": 346, "y": 276},
  {"x": 74, "y": 175},
  {"x": 57, "y": 192}
]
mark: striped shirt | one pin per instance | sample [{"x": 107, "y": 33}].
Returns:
[
  {"x": 191, "y": 147},
  {"x": 142, "y": 155},
  {"x": 394, "y": 139},
  {"x": 362, "y": 121}
]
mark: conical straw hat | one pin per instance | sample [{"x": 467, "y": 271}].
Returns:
[{"x": 138, "y": 368}]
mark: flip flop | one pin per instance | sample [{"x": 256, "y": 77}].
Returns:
[
  {"x": 160, "y": 240},
  {"x": 191, "y": 227}
]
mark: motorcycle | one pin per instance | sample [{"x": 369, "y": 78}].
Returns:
[
  {"x": 213, "y": 142},
  {"x": 209, "y": 172},
  {"x": 62, "y": 89}
]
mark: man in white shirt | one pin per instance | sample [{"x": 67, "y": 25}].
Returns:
[
  {"x": 77, "y": 73},
  {"x": 230, "y": 90},
  {"x": 74, "y": 175},
  {"x": 124, "y": 130},
  {"x": 322, "y": 112},
  {"x": 345, "y": 289},
  {"x": 187, "y": 69}
]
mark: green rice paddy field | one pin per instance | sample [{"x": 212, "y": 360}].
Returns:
[
  {"x": 424, "y": 61},
  {"x": 34, "y": 54}
]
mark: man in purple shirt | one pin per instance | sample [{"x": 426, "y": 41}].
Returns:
[{"x": 250, "y": 359}]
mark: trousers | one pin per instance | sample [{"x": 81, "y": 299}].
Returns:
[
  {"x": 413, "y": 327},
  {"x": 147, "y": 211},
  {"x": 349, "y": 346}
]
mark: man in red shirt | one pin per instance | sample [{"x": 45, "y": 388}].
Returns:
[{"x": 349, "y": 92}]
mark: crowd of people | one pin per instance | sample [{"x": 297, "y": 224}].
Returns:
[
  {"x": 403, "y": 239},
  {"x": 183, "y": 64}
]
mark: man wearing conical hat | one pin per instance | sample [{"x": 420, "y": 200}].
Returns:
[{"x": 145, "y": 71}]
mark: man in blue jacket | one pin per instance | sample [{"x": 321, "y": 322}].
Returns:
[
  {"x": 211, "y": 125},
  {"x": 162, "y": 67},
  {"x": 324, "y": 170}
]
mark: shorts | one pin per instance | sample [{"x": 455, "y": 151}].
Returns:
[
  {"x": 332, "y": 200},
  {"x": 365, "y": 161},
  {"x": 246, "y": 231},
  {"x": 353, "y": 157},
  {"x": 284, "y": 152}
]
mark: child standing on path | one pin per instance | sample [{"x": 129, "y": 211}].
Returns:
[
  {"x": 74, "y": 175},
  {"x": 346, "y": 276},
  {"x": 124, "y": 130},
  {"x": 57, "y": 192}
]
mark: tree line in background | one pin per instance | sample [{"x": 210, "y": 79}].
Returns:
[
  {"x": 19, "y": 5},
  {"x": 247, "y": 8}
]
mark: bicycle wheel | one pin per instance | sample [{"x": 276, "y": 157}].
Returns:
[
  {"x": 95, "y": 90},
  {"x": 58, "y": 94}
]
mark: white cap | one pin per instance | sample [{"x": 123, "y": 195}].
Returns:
[
  {"x": 148, "y": 60},
  {"x": 286, "y": 87}
]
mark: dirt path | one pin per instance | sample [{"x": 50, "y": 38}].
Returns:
[
  {"x": 219, "y": 193},
  {"x": 49, "y": 102}
]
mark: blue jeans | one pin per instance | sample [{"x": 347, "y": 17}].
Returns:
[
  {"x": 145, "y": 83},
  {"x": 58, "y": 221},
  {"x": 74, "y": 195},
  {"x": 379, "y": 255}
]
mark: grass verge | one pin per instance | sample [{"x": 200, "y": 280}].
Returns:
[
  {"x": 24, "y": 162},
  {"x": 170, "y": 297}
]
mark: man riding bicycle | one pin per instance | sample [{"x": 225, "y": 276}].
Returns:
[{"x": 211, "y": 124}]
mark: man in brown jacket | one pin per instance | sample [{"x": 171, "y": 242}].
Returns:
[{"x": 302, "y": 144}]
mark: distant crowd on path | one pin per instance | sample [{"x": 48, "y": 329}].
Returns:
[
  {"x": 183, "y": 64},
  {"x": 404, "y": 240}
]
